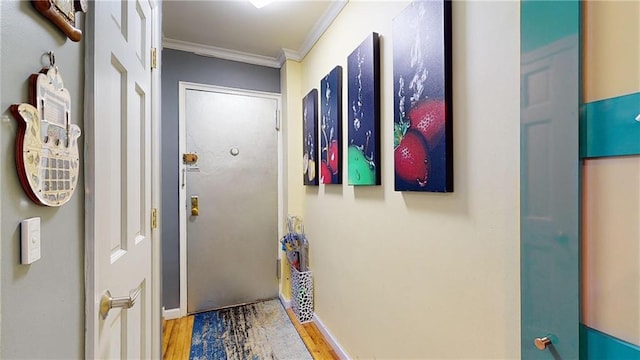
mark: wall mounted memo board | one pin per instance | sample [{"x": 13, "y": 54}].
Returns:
[
  {"x": 47, "y": 155},
  {"x": 62, "y": 13}
]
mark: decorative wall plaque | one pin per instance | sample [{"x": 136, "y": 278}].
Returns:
[
  {"x": 62, "y": 13},
  {"x": 47, "y": 142}
]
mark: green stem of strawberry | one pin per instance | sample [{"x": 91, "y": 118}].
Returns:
[{"x": 399, "y": 130}]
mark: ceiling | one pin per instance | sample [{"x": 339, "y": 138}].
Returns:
[{"x": 237, "y": 30}]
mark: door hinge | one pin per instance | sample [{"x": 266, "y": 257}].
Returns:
[
  {"x": 154, "y": 218},
  {"x": 278, "y": 269},
  {"x": 277, "y": 120},
  {"x": 154, "y": 58}
]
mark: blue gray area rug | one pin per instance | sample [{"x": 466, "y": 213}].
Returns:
[{"x": 249, "y": 332}]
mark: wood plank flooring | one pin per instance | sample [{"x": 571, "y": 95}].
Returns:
[
  {"x": 313, "y": 339},
  {"x": 176, "y": 339}
]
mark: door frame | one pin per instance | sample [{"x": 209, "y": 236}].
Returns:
[
  {"x": 183, "y": 88},
  {"x": 89, "y": 172}
]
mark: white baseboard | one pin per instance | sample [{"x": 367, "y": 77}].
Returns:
[
  {"x": 330, "y": 339},
  {"x": 286, "y": 303},
  {"x": 325, "y": 332},
  {"x": 171, "y": 314}
]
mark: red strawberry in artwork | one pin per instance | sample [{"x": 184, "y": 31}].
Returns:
[
  {"x": 325, "y": 173},
  {"x": 427, "y": 117},
  {"x": 411, "y": 159},
  {"x": 333, "y": 157}
]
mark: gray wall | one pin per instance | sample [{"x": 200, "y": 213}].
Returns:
[
  {"x": 182, "y": 66},
  {"x": 42, "y": 303}
]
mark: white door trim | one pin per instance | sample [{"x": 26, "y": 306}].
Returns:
[{"x": 183, "y": 87}]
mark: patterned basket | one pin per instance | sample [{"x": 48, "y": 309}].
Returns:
[{"x": 302, "y": 294}]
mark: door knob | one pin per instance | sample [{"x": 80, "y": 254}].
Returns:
[
  {"x": 542, "y": 342},
  {"x": 107, "y": 302},
  {"x": 194, "y": 206}
]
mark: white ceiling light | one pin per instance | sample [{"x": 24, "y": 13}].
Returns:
[{"x": 261, "y": 3}]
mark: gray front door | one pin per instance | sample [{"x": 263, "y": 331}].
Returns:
[{"x": 232, "y": 241}]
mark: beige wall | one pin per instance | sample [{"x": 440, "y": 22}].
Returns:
[
  {"x": 611, "y": 49},
  {"x": 419, "y": 275}
]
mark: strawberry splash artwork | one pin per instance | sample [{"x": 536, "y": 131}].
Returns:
[
  {"x": 310, "y": 138},
  {"x": 423, "y": 137},
  {"x": 331, "y": 127},
  {"x": 363, "y": 76}
]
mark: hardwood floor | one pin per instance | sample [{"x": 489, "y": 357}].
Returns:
[
  {"x": 313, "y": 339},
  {"x": 176, "y": 339}
]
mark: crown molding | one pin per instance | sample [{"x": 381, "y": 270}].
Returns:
[
  {"x": 221, "y": 53},
  {"x": 288, "y": 54},
  {"x": 316, "y": 32},
  {"x": 321, "y": 26}
]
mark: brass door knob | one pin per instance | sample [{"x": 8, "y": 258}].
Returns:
[{"x": 542, "y": 343}]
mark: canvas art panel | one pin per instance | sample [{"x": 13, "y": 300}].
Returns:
[
  {"x": 423, "y": 146},
  {"x": 363, "y": 78},
  {"x": 331, "y": 127},
  {"x": 310, "y": 138}
]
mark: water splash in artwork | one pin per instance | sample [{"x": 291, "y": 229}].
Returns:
[
  {"x": 420, "y": 149},
  {"x": 364, "y": 112},
  {"x": 330, "y": 127}
]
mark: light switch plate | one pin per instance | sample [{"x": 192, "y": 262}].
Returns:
[{"x": 30, "y": 236}]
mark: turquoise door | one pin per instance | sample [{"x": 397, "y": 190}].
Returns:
[{"x": 549, "y": 179}]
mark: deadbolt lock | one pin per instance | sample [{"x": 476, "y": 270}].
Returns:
[
  {"x": 194, "y": 206},
  {"x": 189, "y": 158}
]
